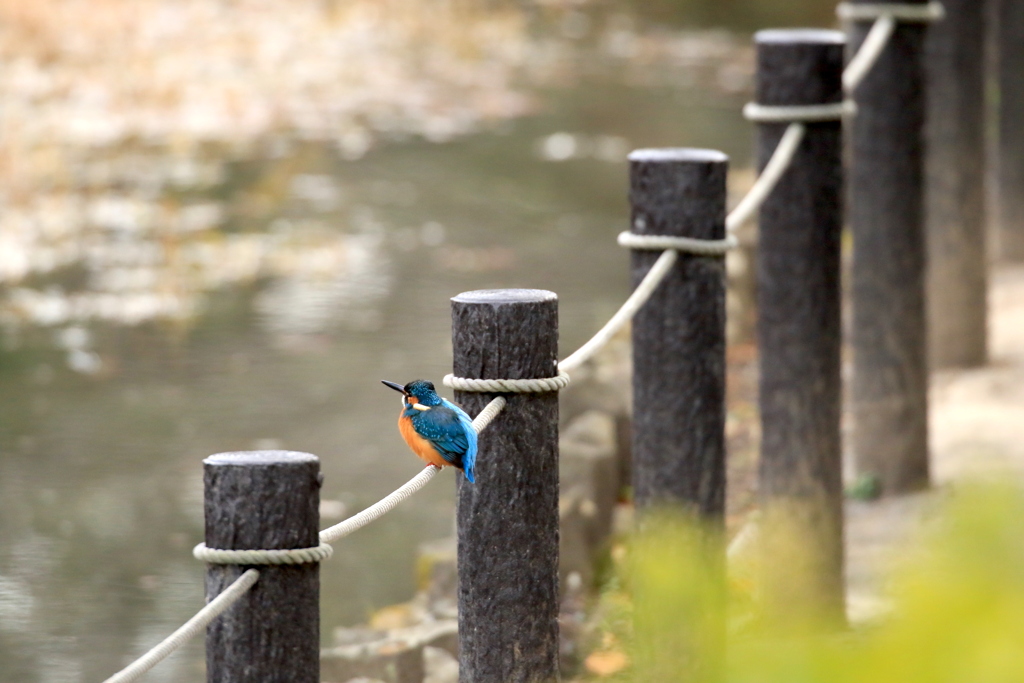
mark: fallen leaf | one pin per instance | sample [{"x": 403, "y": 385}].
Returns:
[{"x": 606, "y": 663}]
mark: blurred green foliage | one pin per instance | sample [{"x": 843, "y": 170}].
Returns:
[{"x": 957, "y": 610}]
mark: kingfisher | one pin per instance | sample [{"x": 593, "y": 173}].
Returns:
[{"x": 437, "y": 430}]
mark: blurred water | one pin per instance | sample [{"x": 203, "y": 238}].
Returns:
[{"x": 253, "y": 296}]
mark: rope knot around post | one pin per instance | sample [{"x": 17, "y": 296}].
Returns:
[
  {"x": 798, "y": 113},
  {"x": 508, "y": 386},
  {"x": 904, "y": 12},
  {"x": 262, "y": 557},
  {"x": 686, "y": 245}
]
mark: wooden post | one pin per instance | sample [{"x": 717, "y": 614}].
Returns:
[
  {"x": 679, "y": 406},
  {"x": 508, "y": 520},
  {"x": 679, "y": 335},
  {"x": 264, "y": 500},
  {"x": 1009, "y": 36},
  {"x": 800, "y": 328},
  {"x": 955, "y": 208},
  {"x": 890, "y": 365}
]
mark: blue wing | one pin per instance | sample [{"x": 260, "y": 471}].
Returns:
[
  {"x": 469, "y": 457},
  {"x": 451, "y": 432}
]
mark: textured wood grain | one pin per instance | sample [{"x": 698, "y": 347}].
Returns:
[
  {"x": 1008, "y": 33},
  {"x": 800, "y": 323},
  {"x": 679, "y": 381},
  {"x": 888, "y": 334},
  {"x": 955, "y": 198},
  {"x": 679, "y": 335},
  {"x": 508, "y": 519},
  {"x": 268, "y": 500}
]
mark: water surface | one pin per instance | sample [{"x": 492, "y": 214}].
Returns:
[{"x": 297, "y": 273}]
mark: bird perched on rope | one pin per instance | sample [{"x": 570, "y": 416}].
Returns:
[{"x": 438, "y": 431}]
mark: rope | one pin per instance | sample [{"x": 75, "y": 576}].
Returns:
[
  {"x": 680, "y": 244},
  {"x": 282, "y": 556},
  {"x": 798, "y": 113},
  {"x": 780, "y": 160},
  {"x": 885, "y": 16},
  {"x": 243, "y": 583},
  {"x": 232, "y": 593},
  {"x": 355, "y": 522},
  {"x": 769, "y": 178},
  {"x": 870, "y": 50},
  {"x": 188, "y": 630},
  {"x": 488, "y": 414},
  {"x": 379, "y": 509},
  {"x": 508, "y": 386},
  {"x": 922, "y": 13},
  {"x": 622, "y": 316}
]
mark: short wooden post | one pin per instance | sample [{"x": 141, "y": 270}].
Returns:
[
  {"x": 1009, "y": 37},
  {"x": 508, "y": 520},
  {"x": 799, "y": 326},
  {"x": 955, "y": 198},
  {"x": 886, "y": 210},
  {"x": 264, "y": 500},
  {"x": 679, "y": 335}
]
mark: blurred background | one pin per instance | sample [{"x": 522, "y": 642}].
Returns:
[{"x": 223, "y": 221}]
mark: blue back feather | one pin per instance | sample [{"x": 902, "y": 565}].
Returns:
[{"x": 450, "y": 430}]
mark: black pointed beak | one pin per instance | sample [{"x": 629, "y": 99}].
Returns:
[{"x": 394, "y": 385}]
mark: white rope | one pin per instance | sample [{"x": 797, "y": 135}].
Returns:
[
  {"x": 798, "y": 113},
  {"x": 270, "y": 557},
  {"x": 622, "y": 316},
  {"x": 870, "y": 50},
  {"x": 275, "y": 557},
  {"x": 379, "y": 509},
  {"x": 904, "y": 12},
  {"x": 232, "y": 593},
  {"x": 885, "y": 16},
  {"x": 488, "y": 414},
  {"x": 777, "y": 165},
  {"x": 773, "y": 171},
  {"x": 508, "y": 386},
  {"x": 387, "y": 504},
  {"x": 769, "y": 178},
  {"x": 189, "y": 629},
  {"x": 688, "y": 245}
]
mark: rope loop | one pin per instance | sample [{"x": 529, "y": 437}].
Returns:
[
  {"x": 508, "y": 386},
  {"x": 688, "y": 245},
  {"x": 924, "y": 13},
  {"x": 798, "y": 113},
  {"x": 258, "y": 557}
]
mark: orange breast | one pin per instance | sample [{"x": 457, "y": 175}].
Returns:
[{"x": 420, "y": 446}]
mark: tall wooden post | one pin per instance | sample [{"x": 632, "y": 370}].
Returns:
[
  {"x": 886, "y": 211},
  {"x": 955, "y": 143},
  {"x": 800, "y": 327},
  {"x": 679, "y": 409},
  {"x": 508, "y": 520},
  {"x": 1008, "y": 33},
  {"x": 264, "y": 500},
  {"x": 679, "y": 335}
]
